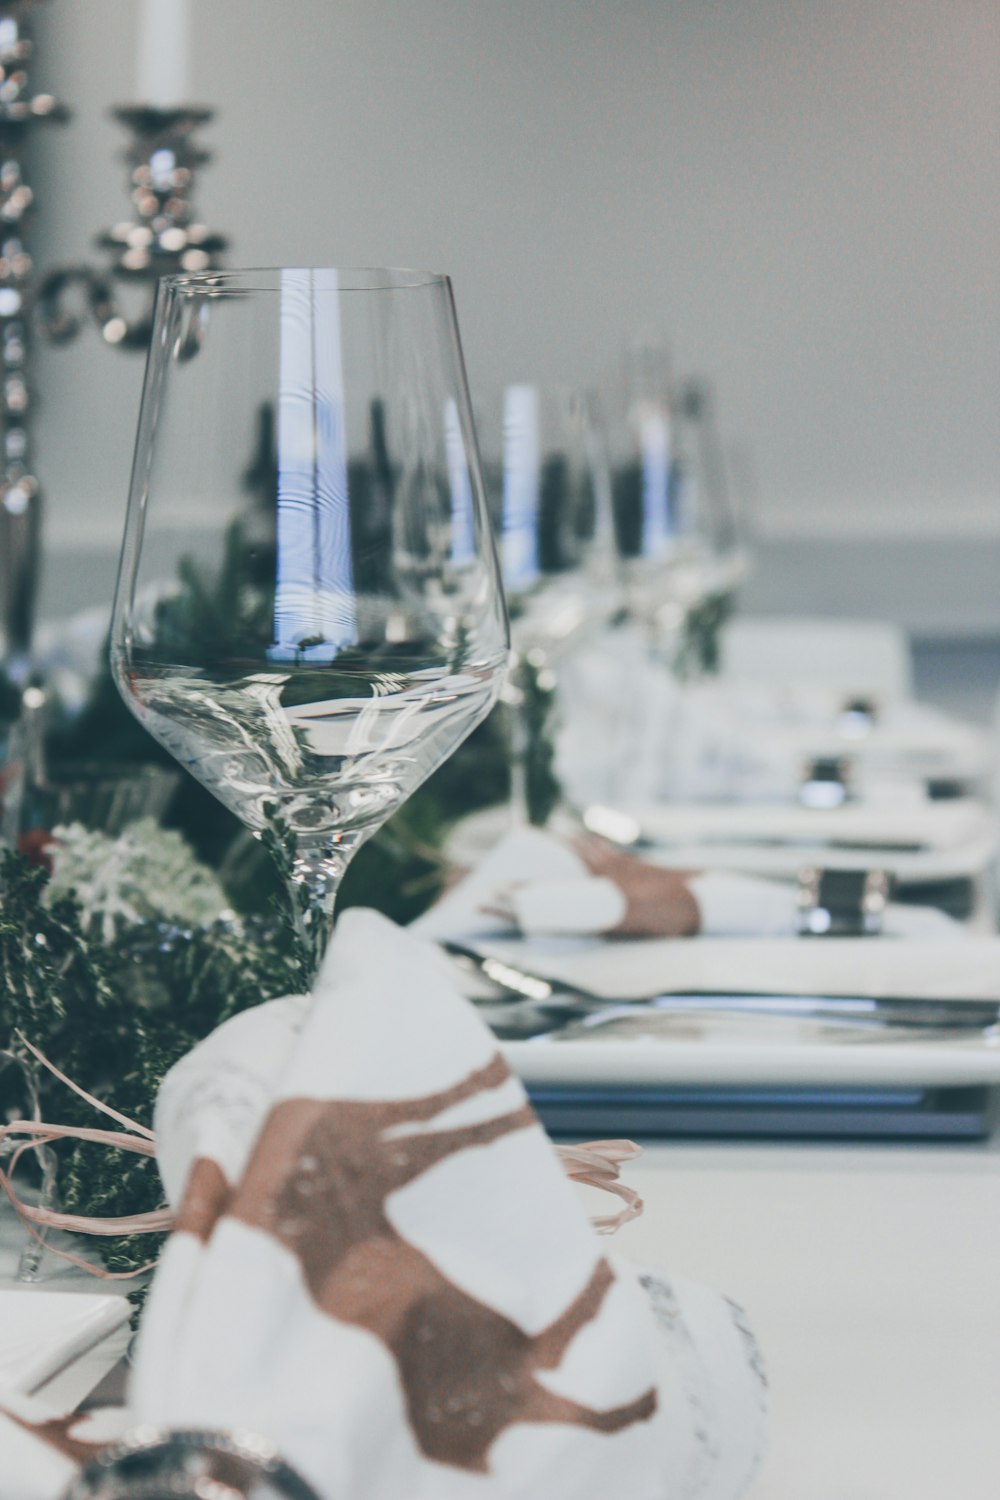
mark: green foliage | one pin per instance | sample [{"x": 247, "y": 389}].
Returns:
[
  {"x": 698, "y": 649},
  {"x": 215, "y": 611},
  {"x": 115, "y": 1018},
  {"x": 535, "y": 732}
]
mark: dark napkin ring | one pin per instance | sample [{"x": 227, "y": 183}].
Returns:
[
  {"x": 826, "y": 782},
  {"x": 857, "y": 718},
  {"x": 841, "y": 903}
]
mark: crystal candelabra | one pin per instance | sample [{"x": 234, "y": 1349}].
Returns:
[
  {"x": 20, "y": 494},
  {"x": 162, "y": 236}
]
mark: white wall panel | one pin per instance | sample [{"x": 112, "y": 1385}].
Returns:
[{"x": 804, "y": 196}]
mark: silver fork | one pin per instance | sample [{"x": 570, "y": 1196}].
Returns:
[{"x": 519, "y": 984}]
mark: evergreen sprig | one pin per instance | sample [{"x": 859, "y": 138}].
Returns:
[{"x": 114, "y": 1018}]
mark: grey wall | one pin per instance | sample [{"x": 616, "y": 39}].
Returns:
[{"x": 803, "y": 194}]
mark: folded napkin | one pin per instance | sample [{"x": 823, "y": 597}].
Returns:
[
  {"x": 380, "y": 1264},
  {"x": 904, "y": 736},
  {"x": 542, "y": 886},
  {"x": 964, "y": 967},
  {"x": 919, "y": 845}
]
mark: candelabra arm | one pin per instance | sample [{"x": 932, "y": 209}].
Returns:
[
  {"x": 162, "y": 238},
  {"x": 54, "y": 308},
  {"x": 20, "y": 492}
]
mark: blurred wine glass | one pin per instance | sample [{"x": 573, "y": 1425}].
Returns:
[
  {"x": 309, "y": 614},
  {"x": 704, "y": 484},
  {"x": 548, "y": 481}
]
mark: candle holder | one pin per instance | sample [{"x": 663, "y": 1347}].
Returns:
[
  {"x": 20, "y": 493},
  {"x": 162, "y": 238}
]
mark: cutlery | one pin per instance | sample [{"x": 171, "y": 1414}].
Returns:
[{"x": 519, "y": 984}]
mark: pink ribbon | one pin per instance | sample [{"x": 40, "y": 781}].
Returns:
[
  {"x": 596, "y": 1164},
  {"x": 593, "y": 1163},
  {"x": 136, "y": 1138}
]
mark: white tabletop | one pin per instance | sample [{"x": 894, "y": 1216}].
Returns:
[{"x": 870, "y": 1275}]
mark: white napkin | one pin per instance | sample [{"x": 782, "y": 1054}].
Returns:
[
  {"x": 546, "y": 888},
  {"x": 380, "y": 1264},
  {"x": 735, "y": 905},
  {"x": 581, "y": 904},
  {"x": 967, "y": 967},
  {"x": 905, "y": 737}
]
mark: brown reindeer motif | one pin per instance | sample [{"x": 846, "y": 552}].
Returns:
[
  {"x": 318, "y": 1182},
  {"x": 57, "y": 1433}
]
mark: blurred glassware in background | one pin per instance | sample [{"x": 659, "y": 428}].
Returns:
[
  {"x": 666, "y": 533},
  {"x": 703, "y": 484},
  {"x": 640, "y": 456},
  {"x": 549, "y": 488},
  {"x": 622, "y": 550},
  {"x": 547, "y": 474},
  {"x": 99, "y": 795},
  {"x": 681, "y": 548},
  {"x": 711, "y": 557}
]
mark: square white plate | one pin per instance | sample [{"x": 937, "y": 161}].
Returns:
[
  {"x": 40, "y": 1332},
  {"x": 750, "y": 1051}
]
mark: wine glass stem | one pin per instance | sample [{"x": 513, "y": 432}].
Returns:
[
  {"x": 513, "y": 698},
  {"x": 317, "y": 870}
]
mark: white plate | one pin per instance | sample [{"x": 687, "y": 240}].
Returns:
[
  {"x": 784, "y": 861},
  {"x": 966, "y": 968},
  {"x": 40, "y": 1332},
  {"x": 751, "y": 1051},
  {"x": 932, "y": 825}
]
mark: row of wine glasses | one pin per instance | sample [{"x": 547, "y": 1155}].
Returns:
[
  {"x": 585, "y": 494},
  {"x": 619, "y": 550}
]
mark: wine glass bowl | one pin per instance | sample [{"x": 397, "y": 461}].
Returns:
[{"x": 309, "y": 614}]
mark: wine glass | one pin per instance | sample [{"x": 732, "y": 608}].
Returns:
[
  {"x": 548, "y": 487},
  {"x": 548, "y": 480},
  {"x": 309, "y": 614}
]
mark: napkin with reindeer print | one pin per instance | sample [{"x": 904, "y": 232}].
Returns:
[{"x": 380, "y": 1265}]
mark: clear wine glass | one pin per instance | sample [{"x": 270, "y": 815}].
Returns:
[
  {"x": 548, "y": 488},
  {"x": 309, "y": 614}
]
